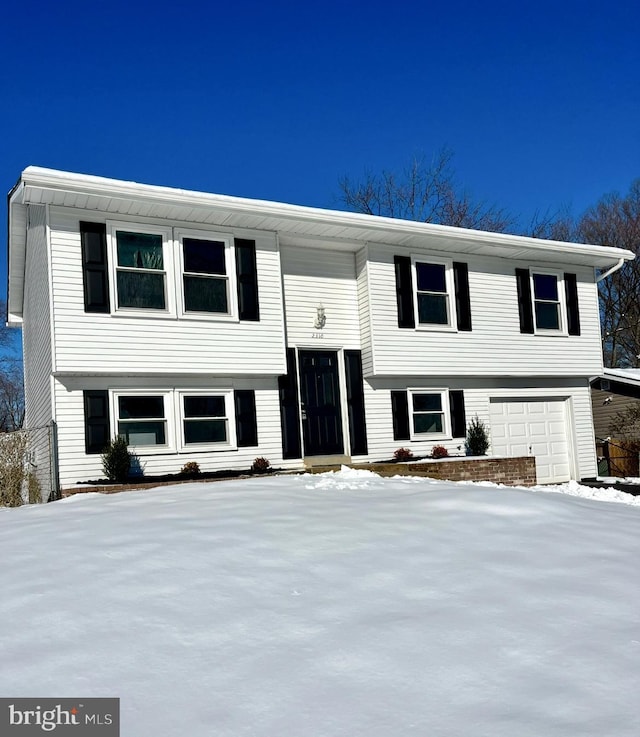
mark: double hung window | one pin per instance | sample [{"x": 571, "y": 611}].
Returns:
[
  {"x": 142, "y": 419},
  {"x": 205, "y": 419},
  {"x": 546, "y": 301},
  {"x": 428, "y": 415},
  {"x": 434, "y": 289},
  {"x": 206, "y": 268},
  {"x": 142, "y": 264}
]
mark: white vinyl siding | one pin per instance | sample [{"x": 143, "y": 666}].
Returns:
[
  {"x": 76, "y": 466},
  {"x": 478, "y": 394},
  {"x": 314, "y": 278},
  {"x": 37, "y": 345},
  {"x": 36, "y": 330},
  {"x": 495, "y": 346},
  {"x": 133, "y": 343}
]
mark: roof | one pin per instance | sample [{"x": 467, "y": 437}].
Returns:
[
  {"x": 293, "y": 223},
  {"x": 625, "y": 376}
]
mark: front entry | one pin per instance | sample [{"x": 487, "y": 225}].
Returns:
[{"x": 320, "y": 395}]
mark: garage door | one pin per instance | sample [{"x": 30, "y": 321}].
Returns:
[{"x": 538, "y": 427}]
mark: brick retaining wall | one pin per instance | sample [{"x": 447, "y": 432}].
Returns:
[{"x": 519, "y": 471}]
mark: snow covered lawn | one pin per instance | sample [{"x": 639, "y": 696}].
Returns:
[{"x": 317, "y": 606}]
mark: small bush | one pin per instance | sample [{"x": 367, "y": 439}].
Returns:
[
  {"x": 33, "y": 488},
  {"x": 439, "y": 451},
  {"x": 402, "y": 454},
  {"x": 13, "y": 450},
  {"x": 260, "y": 465},
  {"x": 116, "y": 460},
  {"x": 477, "y": 440},
  {"x": 190, "y": 468}
]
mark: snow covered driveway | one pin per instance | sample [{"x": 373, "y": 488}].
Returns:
[{"x": 317, "y": 606}]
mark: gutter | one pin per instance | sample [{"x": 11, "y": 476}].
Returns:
[{"x": 612, "y": 270}]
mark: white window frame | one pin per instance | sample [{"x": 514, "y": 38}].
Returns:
[
  {"x": 169, "y": 418},
  {"x": 230, "y": 277},
  {"x": 167, "y": 271},
  {"x": 562, "y": 308},
  {"x": 230, "y": 417},
  {"x": 451, "y": 325},
  {"x": 445, "y": 411}
]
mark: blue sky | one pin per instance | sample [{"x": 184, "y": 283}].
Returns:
[{"x": 539, "y": 101}]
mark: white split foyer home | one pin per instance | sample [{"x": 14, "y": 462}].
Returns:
[{"x": 219, "y": 329}]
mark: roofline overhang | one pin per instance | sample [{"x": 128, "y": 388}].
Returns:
[
  {"x": 59, "y": 181},
  {"x": 40, "y": 185}
]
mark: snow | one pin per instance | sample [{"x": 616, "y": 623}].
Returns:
[{"x": 340, "y": 604}]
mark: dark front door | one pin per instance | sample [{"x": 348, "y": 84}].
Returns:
[{"x": 320, "y": 394}]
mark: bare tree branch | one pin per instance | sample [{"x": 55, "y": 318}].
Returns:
[{"x": 424, "y": 191}]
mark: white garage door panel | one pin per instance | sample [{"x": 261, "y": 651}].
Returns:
[{"x": 533, "y": 427}]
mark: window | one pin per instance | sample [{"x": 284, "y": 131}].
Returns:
[
  {"x": 433, "y": 294},
  {"x": 429, "y": 413},
  {"x": 141, "y": 260},
  {"x": 421, "y": 414},
  {"x": 142, "y": 419},
  {"x": 437, "y": 291},
  {"x": 546, "y": 302},
  {"x": 205, "y": 419},
  {"x": 206, "y": 284},
  {"x": 208, "y": 274}
]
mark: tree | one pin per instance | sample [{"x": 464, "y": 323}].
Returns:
[
  {"x": 426, "y": 192},
  {"x": 11, "y": 397},
  {"x": 615, "y": 221},
  {"x": 11, "y": 388}
]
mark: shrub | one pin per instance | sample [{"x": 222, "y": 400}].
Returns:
[
  {"x": 190, "y": 468},
  {"x": 33, "y": 489},
  {"x": 402, "y": 454},
  {"x": 116, "y": 460},
  {"x": 13, "y": 450},
  {"x": 260, "y": 465},
  {"x": 477, "y": 440},
  {"x": 439, "y": 451}
]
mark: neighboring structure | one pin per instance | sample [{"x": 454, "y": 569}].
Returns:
[
  {"x": 217, "y": 329},
  {"x": 613, "y": 391}
]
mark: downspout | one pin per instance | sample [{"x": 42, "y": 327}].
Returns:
[{"x": 611, "y": 270}]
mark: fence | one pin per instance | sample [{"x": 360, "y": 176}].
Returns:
[
  {"x": 29, "y": 465},
  {"x": 617, "y": 458}
]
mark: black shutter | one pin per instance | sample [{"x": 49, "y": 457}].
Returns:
[
  {"x": 289, "y": 409},
  {"x": 400, "y": 412},
  {"x": 573, "y": 313},
  {"x": 463, "y": 300},
  {"x": 355, "y": 402},
  {"x": 458, "y": 419},
  {"x": 524, "y": 301},
  {"x": 246, "y": 422},
  {"x": 96, "y": 420},
  {"x": 93, "y": 237},
  {"x": 404, "y": 292},
  {"x": 247, "y": 275}
]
